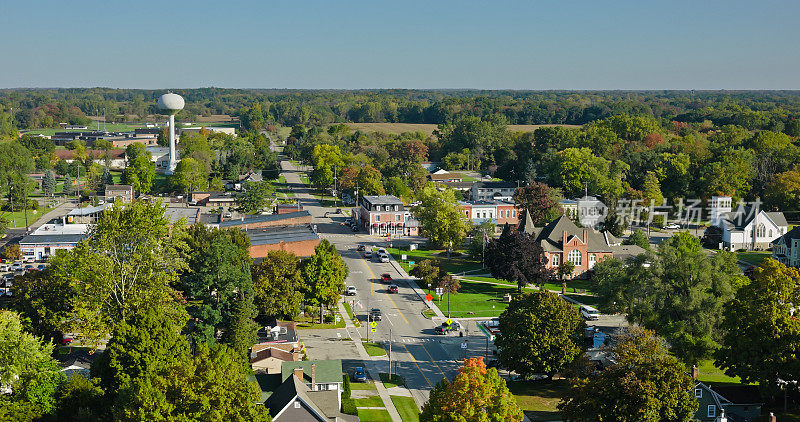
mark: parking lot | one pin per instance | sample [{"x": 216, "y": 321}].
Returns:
[{"x": 10, "y": 270}]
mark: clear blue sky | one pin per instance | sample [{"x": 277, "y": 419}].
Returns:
[{"x": 555, "y": 44}]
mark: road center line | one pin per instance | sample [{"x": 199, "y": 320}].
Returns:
[
  {"x": 371, "y": 283},
  {"x": 418, "y": 368}
]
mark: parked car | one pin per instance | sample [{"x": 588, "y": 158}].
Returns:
[
  {"x": 672, "y": 226},
  {"x": 16, "y": 266},
  {"x": 393, "y": 288},
  {"x": 386, "y": 277},
  {"x": 350, "y": 291},
  {"x": 444, "y": 328},
  {"x": 41, "y": 267},
  {"x": 359, "y": 375},
  {"x": 65, "y": 340},
  {"x": 355, "y": 227},
  {"x": 375, "y": 314},
  {"x": 5, "y": 267},
  {"x": 383, "y": 258},
  {"x": 368, "y": 254},
  {"x": 361, "y": 248},
  {"x": 29, "y": 267},
  {"x": 590, "y": 313}
]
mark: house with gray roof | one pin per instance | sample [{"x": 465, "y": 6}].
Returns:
[
  {"x": 562, "y": 240},
  {"x": 744, "y": 228},
  {"x": 786, "y": 249},
  {"x": 294, "y": 401},
  {"x": 738, "y": 403}
]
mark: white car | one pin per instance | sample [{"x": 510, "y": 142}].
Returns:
[
  {"x": 383, "y": 257},
  {"x": 17, "y": 266},
  {"x": 350, "y": 291},
  {"x": 590, "y": 313},
  {"x": 672, "y": 226},
  {"x": 5, "y": 267}
]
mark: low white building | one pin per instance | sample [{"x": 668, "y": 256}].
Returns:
[
  {"x": 743, "y": 228},
  {"x": 47, "y": 239}
]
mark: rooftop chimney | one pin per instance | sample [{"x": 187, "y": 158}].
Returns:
[
  {"x": 695, "y": 372},
  {"x": 298, "y": 372},
  {"x": 313, "y": 377}
]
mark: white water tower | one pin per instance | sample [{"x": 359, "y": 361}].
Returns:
[{"x": 172, "y": 104}]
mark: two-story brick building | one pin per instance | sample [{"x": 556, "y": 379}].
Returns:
[
  {"x": 562, "y": 241},
  {"x": 386, "y": 215},
  {"x": 498, "y": 213}
]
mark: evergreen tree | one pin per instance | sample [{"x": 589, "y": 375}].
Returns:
[{"x": 49, "y": 184}]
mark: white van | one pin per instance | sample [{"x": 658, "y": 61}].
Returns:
[{"x": 590, "y": 313}]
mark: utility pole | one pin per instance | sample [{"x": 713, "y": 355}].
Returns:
[
  {"x": 447, "y": 286},
  {"x": 390, "y": 353},
  {"x": 334, "y": 185}
]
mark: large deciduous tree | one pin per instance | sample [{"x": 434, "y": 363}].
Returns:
[
  {"x": 140, "y": 171},
  {"x": 680, "y": 292},
  {"x": 255, "y": 196},
  {"x": 540, "y": 334},
  {"x": 517, "y": 257},
  {"x": 440, "y": 217},
  {"x": 324, "y": 273},
  {"x": 539, "y": 201},
  {"x": 762, "y": 332},
  {"x": 475, "y": 394},
  {"x": 217, "y": 281},
  {"x": 279, "y": 285},
  {"x": 645, "y": 384},
  {"x": 131, "y": 260},
  {"x": 190, "y": 175}
]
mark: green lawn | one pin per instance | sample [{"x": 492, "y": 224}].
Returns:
[
  {"x": 587, "y": 285},
  {"x": 455, "y": 264},
  {"x": 396, "y": 380},
  {"x": 539, "y": 397},
  {"x": 371, "y": 401},
  {"x": 369, "y": 385},
  {"x": 111, "y": 127},
  {"x": 373, "y": 349},
  {"x": 585, "y": 299},
  {"x": 476, "y": 300},
  {"x": 17, "y": 218},
  {"x": 374, "y": 415},
  {"x": 307, "y": 323},
  {"x": 753, "y": 258},
  {"x": 710, "y": 373},
  {"x": 407, "y": 408},
  {"x": 351, "y": 315}
]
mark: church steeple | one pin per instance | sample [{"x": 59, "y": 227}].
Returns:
[{"x": 527, "y": 224}]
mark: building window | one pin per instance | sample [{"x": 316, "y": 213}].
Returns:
[
  {"x": 712, "y": 411},
  {"x": 395, "y": 207},
  {"x": 698, "y": 393},
  {"x": 762, "y": 230},
  {"x": 575, "y": 257},
  {"x": 397, "y": 217},
  {"x": 592, "y": 260},
  {"x": 377, "y": 217},
  {"x": 513, "y": 213},
  {"x": 770, "y": 233},
  {"x": 554, "y": 260}
]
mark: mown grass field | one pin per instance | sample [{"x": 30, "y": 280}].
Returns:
[
  {"x": 753, "y": 258},
  {"x": 539, "y": 398},
  {"x": 397, "y": 128},
  {"x": 406, "y": 408}
]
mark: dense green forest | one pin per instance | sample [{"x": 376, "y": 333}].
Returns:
[
  {"x": 646, "y": 145},
  {"x": 750, "y": 109}
]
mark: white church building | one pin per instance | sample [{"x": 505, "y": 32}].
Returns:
[{"x": 746, "y": 227}]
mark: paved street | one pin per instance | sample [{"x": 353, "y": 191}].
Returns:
[{"x": 421, "y": 356}]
